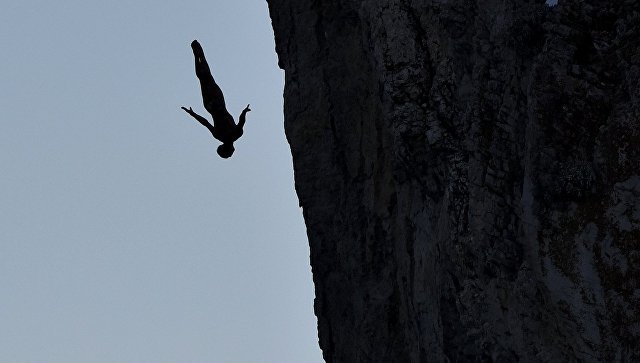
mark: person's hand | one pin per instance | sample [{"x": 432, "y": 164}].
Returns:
[
  {"x": 189, "y": 111},
  {"x": 246, "y": 109}
]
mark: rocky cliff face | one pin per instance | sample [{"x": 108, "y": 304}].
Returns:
[{"x": 469, "y": 175}]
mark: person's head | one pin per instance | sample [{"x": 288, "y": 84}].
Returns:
[{"x": 226, "y": 150}]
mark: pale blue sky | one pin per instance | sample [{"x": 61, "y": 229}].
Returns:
[{"x": 123, "y": 236}]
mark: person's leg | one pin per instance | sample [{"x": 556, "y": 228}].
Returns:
[{"x": 212, "y": 97}]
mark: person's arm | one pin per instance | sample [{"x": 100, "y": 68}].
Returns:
[
  {"x": 200, "y": 119},
  {"x": 243, "y": 116}
]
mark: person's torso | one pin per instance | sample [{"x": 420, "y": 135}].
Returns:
[{"x": 226, "y": 133}]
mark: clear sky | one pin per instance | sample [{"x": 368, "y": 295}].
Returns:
[{"x": 123, "y": 236}]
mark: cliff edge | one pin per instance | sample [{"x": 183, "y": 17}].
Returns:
[{"x": 469, "y": 173}]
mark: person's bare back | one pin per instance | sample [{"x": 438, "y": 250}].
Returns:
[{"x": 224, "y": 127}]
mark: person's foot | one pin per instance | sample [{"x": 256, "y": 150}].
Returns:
[{"x": 197, "y": 48}]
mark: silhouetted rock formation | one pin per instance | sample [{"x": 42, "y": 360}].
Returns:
[{"x": 469, "y": 176}]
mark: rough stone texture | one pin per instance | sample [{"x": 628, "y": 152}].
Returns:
[{"x": 469, "y": 176}]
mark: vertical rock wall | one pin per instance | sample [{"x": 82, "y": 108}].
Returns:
[{"x": 469, "y": 176}]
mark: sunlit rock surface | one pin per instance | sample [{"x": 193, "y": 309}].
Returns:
[{"x": 469, "y": 176}]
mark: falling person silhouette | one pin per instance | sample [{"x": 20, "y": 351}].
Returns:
[{"x": 224, "y": 127}]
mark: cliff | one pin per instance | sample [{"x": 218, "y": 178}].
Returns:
[{"x": 469, "y": 173}]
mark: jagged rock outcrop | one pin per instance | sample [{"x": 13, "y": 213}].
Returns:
[{"x": 469, "y": 176}]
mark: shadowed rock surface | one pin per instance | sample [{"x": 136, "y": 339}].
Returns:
[{"x": 469, "y": 176}]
